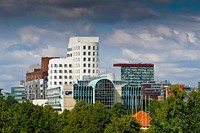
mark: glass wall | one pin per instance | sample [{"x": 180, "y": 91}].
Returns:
[
  {"x": 131, "y": 96},
  {"x": 137, "y": 75},
  {"x": 105, "y": 92}
]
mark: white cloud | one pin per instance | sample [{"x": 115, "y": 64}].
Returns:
[
  {"x": 120, "y": 37},
  {"x": 6, "y": 77},
  {"x": 191, "y": 37},
  {"x": 35, "y": 35},
  {"x": 53, "y": 51},
  {"x": 140, "y": 56},
  {"x": 146, "y": 36}
]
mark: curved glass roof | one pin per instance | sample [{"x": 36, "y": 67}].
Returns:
[{"x": 94, "y": 82}]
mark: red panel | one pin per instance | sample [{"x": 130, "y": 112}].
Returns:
[{"x": 132, "y": 65}]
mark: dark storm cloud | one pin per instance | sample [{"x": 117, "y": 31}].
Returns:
[{"x": 98, "y": 11}]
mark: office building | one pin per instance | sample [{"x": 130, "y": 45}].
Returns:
[
  {"x": 135, "y": 74},
  {"x": 155, "y": 90},
  {"x": 36, "y": 79},
  {"x": 19, "y": 93},
  {"x": 100, "y": 89},
  {"x": 81, "y": 61}
]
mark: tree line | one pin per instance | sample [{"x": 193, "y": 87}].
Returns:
[
  {"x": 179, "y": 113},
  {"x": 83, "y": 118}
]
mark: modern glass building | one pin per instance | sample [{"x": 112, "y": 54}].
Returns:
[
  {"x": 19, "y": 93},
  {"x": 131, "y": 96},
  {"x": 102, "y": 90},
  {"x": 54, "y": 98},
  {"x": 135, "y": 74}
]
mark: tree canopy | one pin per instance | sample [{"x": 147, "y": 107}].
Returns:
[{"x": 178, "y": 113}]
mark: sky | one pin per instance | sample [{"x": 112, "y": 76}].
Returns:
[{"x": 163, "y": 32}]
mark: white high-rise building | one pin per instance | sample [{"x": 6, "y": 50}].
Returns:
[{"x": 81, "y": 62}]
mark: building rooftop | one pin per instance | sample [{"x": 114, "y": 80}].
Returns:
[
  {"x": 132, "y": 65},
  {"x": 143, "y": 118}
]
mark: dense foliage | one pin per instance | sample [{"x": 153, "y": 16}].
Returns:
[
  {"x": 177, "y": 114},
  {"x": 83, "y": 118}
]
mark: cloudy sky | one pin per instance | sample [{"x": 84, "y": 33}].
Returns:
[{"x": 163, "y": 32}]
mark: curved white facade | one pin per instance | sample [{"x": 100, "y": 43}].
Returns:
[{"x": 82, "y": 60}]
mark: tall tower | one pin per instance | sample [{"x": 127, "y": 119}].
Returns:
[
  {"x": 135, "y": 74},
  {"x": 83, "y": 53},
  {"x": 81, "y": 62}
]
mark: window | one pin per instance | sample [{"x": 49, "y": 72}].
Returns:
[
  {"x": 60, "y": 65},
  {"x": 93, "y": 59},
  {"x": 93, "y": 71},
  {"x": 97, "y": 53},
  {"x": 94, "y": 53},
  {"x": 55, "y": 77},
  {"x": 55, "y": 71},
  {"x": 84, "y": 59},
  {"x": 70, "y": 77},
  {"x": 70, "y": 71},
  {"x": 88, "y": 53},
  {"x": 65, "y": 83},
  {"x": 93, "y": 47},
  {"x": 55, "y": 65},
  {"x": 88, "y": 59},
  {"x": 51, "y": 65},
  {"x": 70, "y": 65},
  {"x": 84, "y": 47},
  {"x": 88, "y": 70},
  {"x": 60, "y": 77},
  {"x": 88, "y": 47},
  {"x": 88, "y": 65},
  {"x": 84, "y": 53},
  {"x": 84, "y": 65},
  {"x": 60, "y": 83},
  {"x": 60, "y": 71},
  {"x": 84, "y": 71},
  {"x": 65, "y": 71},
  {"x": 93, "y": 65},
  {"x": 65, "y": 65},
  {"x": 65, "y": 77},
  {"x": 55, "y": 83}
]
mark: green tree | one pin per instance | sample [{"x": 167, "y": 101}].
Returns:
[
  {"x": 117, "y": 110},
  {"x": 100, "y": 116},
  {"x": 171, "y": 116},
  {"x": 124, "y": 124},
  {"x": 193, "y": 114},
  {"x": 11, "y": 101},
  {"x": 154, "y": 105},
  {"x": 79, "y": 118}
]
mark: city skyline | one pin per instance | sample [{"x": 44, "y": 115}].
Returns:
[{"x": 165, "y": 33}]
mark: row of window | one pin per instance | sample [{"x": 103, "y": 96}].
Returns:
[
  {"x": 61, "y": 77},
  {"x": 89, "y": 59},
  {"x": 89, "y": 65},
  {"x": 89, "y": 71},
  {"x": 61, "y": 71},
  {"x": 33, "y": 76},
  {"x": 89, "y": 53},
  {"x": 60, "y": 65},
  {"x": 60, "y": 83},
  {"x": 90, "y": 47}
]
